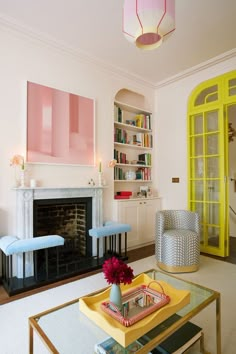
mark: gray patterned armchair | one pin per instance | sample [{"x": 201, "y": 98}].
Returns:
[{"x": 177, "y": 246}]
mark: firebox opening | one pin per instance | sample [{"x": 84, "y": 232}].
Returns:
[{"x": 70, "y": 218}]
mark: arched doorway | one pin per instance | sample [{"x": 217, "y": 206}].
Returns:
[{"x": 211, "y": 107}]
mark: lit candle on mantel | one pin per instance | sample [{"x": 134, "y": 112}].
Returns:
[{"x": 100, "y": 166}]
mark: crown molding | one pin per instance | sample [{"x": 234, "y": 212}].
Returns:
[
  {"x": 15, "y": 28},
  {"x": 195, "y": 69}
]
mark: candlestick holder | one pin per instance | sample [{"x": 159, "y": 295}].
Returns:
[{"x": 100, "y": 179}]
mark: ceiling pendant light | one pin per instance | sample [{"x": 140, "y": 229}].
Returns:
[{"x": 147, "y": 22}]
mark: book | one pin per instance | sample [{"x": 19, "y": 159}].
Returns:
[
  {"x": 110, "y": 346},
  {"x": 122, "y": 197},
  {"x": 179, "y": 341},
  {"x": 129, "y": 193}
]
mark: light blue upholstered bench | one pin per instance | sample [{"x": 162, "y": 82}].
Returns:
[
  {"x": 12, "y": 245},
  {"x": 109, "y": 231}
]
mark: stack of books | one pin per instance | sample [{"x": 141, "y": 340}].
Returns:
[
  {"x": 123, "y": 195},
  {"x": 177, "y": 343}
]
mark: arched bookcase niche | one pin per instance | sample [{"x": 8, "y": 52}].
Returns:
[
  {"x": 132, "y": 98},
  {"x": 135, "y": 202}
]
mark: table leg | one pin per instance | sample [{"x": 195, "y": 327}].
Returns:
[
  {"x": 218, "y": 325},
  {"x": 31, "y": 339}
]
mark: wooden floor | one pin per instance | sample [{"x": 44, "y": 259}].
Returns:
[{"x": 133, "y": 256}]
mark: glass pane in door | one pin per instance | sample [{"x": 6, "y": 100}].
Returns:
[
  {"x": 232, "y": 87},
  {"x": 212, "y": 144},
  {"x": 212, "y": 190},
  {"x": 212, "y": 167},
  {"x": 212, "y": 121},
  {"x": 198, "y": 144},
  {"x": 197, "y": 124}
]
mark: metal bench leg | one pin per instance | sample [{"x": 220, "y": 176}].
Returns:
[
  {"x": 97, "y": 250},
  {"x": 125, "y": 244},
  {"x": 120, "y": 244},
  {"x": 36, "y": 265},
  {"x": 23, "y": 268},
  {"x": 110, "y": 244},
  {"x": 105, "y": 245},
  {"x": 114, "y": 243},
  {"x": 46, "y": 262},
  {"x": 10, "y": 271},
  {"x": 57, "y": 250}
]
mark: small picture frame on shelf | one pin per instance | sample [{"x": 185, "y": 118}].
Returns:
[{"x": 143, "y": 191}]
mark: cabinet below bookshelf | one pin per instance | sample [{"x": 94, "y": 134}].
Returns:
[{"x": 140, "y": 213}]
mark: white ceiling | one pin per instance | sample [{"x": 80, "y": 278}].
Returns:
[{"x": 204, "y": 29}]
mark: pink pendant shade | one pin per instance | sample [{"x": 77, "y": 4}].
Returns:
[{"x": 147, "y": 22}]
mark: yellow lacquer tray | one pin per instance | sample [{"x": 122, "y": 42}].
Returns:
[{"x": 91, "y": 307}]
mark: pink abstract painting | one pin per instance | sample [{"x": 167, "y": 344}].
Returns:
[{"x": 60, "y": 127}]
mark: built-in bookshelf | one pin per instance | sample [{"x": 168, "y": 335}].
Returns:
[{"x": 133, "y": 143}]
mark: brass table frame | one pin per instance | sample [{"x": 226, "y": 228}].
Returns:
[{"x": 215, "y": 296}]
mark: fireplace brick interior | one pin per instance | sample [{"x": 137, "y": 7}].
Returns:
[{"x": 70, "y": 218}]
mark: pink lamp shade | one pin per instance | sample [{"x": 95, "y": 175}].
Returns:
[{"x": 147, "y": 22}]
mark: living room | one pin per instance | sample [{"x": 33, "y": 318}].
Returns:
[{"x": 29, "y": 56}]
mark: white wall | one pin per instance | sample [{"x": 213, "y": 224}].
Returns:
[
  {"x": 171, "y": 128},
  {"x": 24, "y": 58}
]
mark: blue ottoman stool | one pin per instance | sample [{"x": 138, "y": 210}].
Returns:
[
  {"x": 110, "y": 231},
  {"x": 12, "y": 245}
]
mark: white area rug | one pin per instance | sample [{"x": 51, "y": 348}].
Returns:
[{"x": 217, "y": 275}]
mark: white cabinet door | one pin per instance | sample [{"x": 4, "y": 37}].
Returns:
[
  {"x": 146, "y": 217},
  {"x": 140, "y": 214},
  {"x": 128, "y": 214}
]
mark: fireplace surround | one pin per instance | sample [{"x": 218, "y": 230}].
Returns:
[{"x": 28, "y": 200}]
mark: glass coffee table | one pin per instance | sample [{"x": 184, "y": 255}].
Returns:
[{"x": 65, "y": 329}]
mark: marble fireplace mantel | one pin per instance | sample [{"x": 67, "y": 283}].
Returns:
[{"x": 25, "y": 197}]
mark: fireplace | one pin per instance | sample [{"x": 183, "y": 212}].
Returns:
[
  {"x": 68, "y": 212},
  {"x": 70, "y": 218}
]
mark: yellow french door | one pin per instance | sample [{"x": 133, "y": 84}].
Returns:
[{"x": 208, "y": 160}]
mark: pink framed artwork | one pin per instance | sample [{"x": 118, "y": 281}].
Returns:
[{"x": 60, "y": 127}]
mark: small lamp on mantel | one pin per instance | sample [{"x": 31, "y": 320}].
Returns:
[{"x": 147, "y": 22}]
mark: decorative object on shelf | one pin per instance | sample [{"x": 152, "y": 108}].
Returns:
[
  {"x": 130, "y": 175},
  {"x": 112, "y": 163},
  {"x": 33, "y": 183},
  {"x": 100, "y": 167},
  {"x": 91, "y": 182},
  {"x": 100, "y": 179},
  {"x": 117, "y": 272},
  {"x": 146, "y": 23},
  {"x": 18, "y": 160}
]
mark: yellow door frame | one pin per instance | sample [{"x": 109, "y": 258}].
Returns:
[{"x": 211, "y": 96}]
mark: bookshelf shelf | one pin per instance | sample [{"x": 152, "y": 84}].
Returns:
[
  {"x": 132, "y": 127},
  {"x": 132, "y": 146},
  {"x": 132, "y": 165},
  {"x": 132, "y": 181}
]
